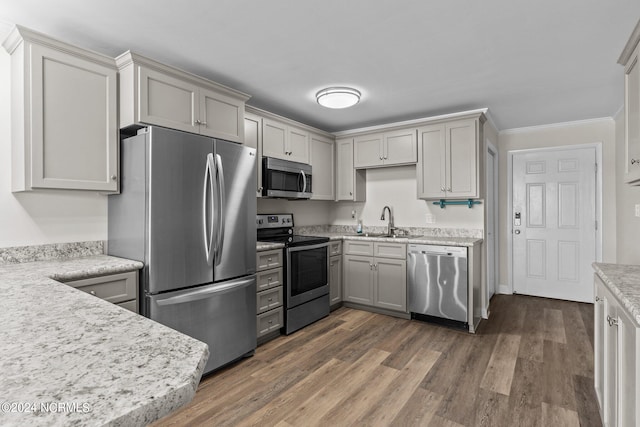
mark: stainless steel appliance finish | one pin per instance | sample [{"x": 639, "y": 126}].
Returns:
[
  {"x": 438, "y": 282},
  {"x": 307, "y": 270},
  {"x": 286, "y": 179},
  {"x": 186, "y": 210}
]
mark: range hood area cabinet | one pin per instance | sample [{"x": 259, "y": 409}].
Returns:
[
  {"x": 157, "y": 94},
  {"x": 385, "y": 149},
  {"x": 351, "y": 184},
  {"x": 284, "y": 142},
  {"x": 629, "y": 59},
  {"x": 449, "y": 155},
  {"x": 64, "y": 124}
]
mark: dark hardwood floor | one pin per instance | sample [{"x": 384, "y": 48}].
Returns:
[{"x": 530, "y": 364}]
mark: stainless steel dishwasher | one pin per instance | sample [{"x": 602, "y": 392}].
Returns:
[{"x": 438, "y": 283}]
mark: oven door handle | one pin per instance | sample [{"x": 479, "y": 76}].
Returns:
[{"x": 308, "y": 247}]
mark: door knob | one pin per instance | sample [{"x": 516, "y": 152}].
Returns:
[{"x": 517, "y": 231}]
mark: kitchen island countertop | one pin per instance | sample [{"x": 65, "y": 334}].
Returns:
[
  {"x": 69, "y": 358},
  {"x": 624, "y": 283}
]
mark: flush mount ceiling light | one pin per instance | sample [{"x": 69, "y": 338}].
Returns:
[{"x": 338, "y": 97}]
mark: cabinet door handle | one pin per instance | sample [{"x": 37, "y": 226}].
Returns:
[
  {"x": 114, "y": 177},
  {"x": 635, "y": 161},
  {"x": 203, "y": 123},
  {"x": 370, "y": 266},
  {"x": 381, "y": 157},
  {"x": 598, "y": 299},
  {"x": 351, "y": 193},
  {"x": 197, "y": 122},
  {"x": 260, "y": 189},
  {"x": 93, "y": 293},
  {"x": 612, "y": 321}
]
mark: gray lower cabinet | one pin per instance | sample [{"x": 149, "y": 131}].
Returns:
[
  {"x": 269, "y": 281},
  {"x": 120, "y": 289},
  {"x": 335, "y": 280},
  {"x": 374, "y": 280}
]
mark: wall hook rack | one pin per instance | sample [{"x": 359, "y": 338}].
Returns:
[{"x": 468, "y": 202}]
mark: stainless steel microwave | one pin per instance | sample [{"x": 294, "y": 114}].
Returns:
[{"x": 286, "y": 179}]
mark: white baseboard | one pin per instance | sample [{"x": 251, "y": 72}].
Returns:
[{"x": 504, "y": 289}]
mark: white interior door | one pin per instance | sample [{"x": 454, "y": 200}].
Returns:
[{"x": 554, "y": 223}]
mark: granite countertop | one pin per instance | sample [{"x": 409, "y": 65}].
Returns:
[
  {"x": 421, "y": 240},
  {"x": 98, "y": 363},
  {"x": 624, "y": 283}
]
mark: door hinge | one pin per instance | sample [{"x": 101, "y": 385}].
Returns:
[
  {"x": 596, "y": 168},
  {"x": 596, "y": 224}
]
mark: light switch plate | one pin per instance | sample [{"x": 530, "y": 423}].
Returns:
[{"x": 638, "y": 210}]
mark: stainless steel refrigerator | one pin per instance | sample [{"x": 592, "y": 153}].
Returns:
[{"x": 187, "y": 209}]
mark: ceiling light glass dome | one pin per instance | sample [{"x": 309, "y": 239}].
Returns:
[{"x": 338, "y": 97}]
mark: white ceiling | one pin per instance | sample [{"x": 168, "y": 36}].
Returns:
[{"x": 530, "y": 62}]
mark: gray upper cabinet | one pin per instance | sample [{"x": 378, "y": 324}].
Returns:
[
  {"x": 323, "y": 167},
  {"x": 385, "y": 149},
  {"x": 253, "y": 139},
  {"x": 629, "y": 58},
  {"x": 449, "y": 159},
  {"x": 156, "y": 94},
  {"x": 64, "y": 115},
  {"x": 285, "y": 142},
  {"x": 350, "y": 183}
]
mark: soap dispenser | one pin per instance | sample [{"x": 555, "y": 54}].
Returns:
[{"x": 359, "y": 227}]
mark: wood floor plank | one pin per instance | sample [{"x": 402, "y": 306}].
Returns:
[
  {"x": 321, "y": 402},
  {"x": 447, "y": 377},
  {"x": 558, "y": 382},
  {"x": 352, "y": 407},
  {"x": 585, "y": 397},
  {"x": 525, "y": 397},
  {"x": 419, "y": 409},
  {"x": 580, "y": 349},
  {"x": 282, "y": 405},
  {"x": 554, "y": 326},
  {"x": 556, "y": 416},
  {"x": 499, "y": 373},
  {"x": 492, "y": 410},
  {"x": 401, "y": 389}
]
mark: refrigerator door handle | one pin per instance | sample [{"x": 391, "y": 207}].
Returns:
[
  {"x": 221, "y": 208},
  {"x": 208, "y": 179},
  {"x": 207, "y": 292}
]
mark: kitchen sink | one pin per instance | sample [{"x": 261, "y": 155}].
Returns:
[{"x": 373, "y": 235}]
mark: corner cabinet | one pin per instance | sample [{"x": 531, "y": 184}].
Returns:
[
  {"x": 350, "y": 183},
  {"x": 120, "y": 289},
  {"x": 629, "y": 59},
  {"x": 449, "y": 156},
  {"x": 64, "y": 115},
  {"x": 157, "y": 94},
  {"x": 323, "y": 167},
  {"x": 335, "y": 274},
  {"x": 616, "y": 360}
]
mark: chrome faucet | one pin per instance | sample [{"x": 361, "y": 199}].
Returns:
[{"x": 392, "y": 228}]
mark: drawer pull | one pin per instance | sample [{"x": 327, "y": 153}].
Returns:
[
  {"x": 269, "y": 279},
  {"x": 270, "y": 321},
  {"x": 92, "y": 293},
  {"x": 270, "y": 299},
  {"x": 268, "y": 259}
]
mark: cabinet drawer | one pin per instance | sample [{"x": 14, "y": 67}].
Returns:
[
  {"x": 269, "y": 259},
  {"x": 270, "y": 321},
  {"x": 390, "y": 250},
  {"x": 269, "y": 299},
  {"x": 357, "y": 247},
  {"x": 335, "y": 248},
  {"x": 114, "y": 288},
  {"x": 130, "y": 305},
  {"x": 269, "y": 279}
]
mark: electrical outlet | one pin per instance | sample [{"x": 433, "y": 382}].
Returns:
[
  {"x": 431, "y": 219},
  {"x": 638, "y": 210},
  {"x": 353, "y": 214}
]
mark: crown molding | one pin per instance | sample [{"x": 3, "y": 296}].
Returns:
[
  {"x": 555, "y": 126},
  {"x": 633, "y": 41}
]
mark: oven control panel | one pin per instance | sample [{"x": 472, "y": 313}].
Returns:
[{"x": 274, "y": 221}]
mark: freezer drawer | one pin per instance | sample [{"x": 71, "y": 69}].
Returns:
[{"x": 221, "y": 315}]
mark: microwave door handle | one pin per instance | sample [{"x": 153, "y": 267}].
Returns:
[
  {"x": 304, "y": 182},
  {"x": 221, "y": 208}
]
